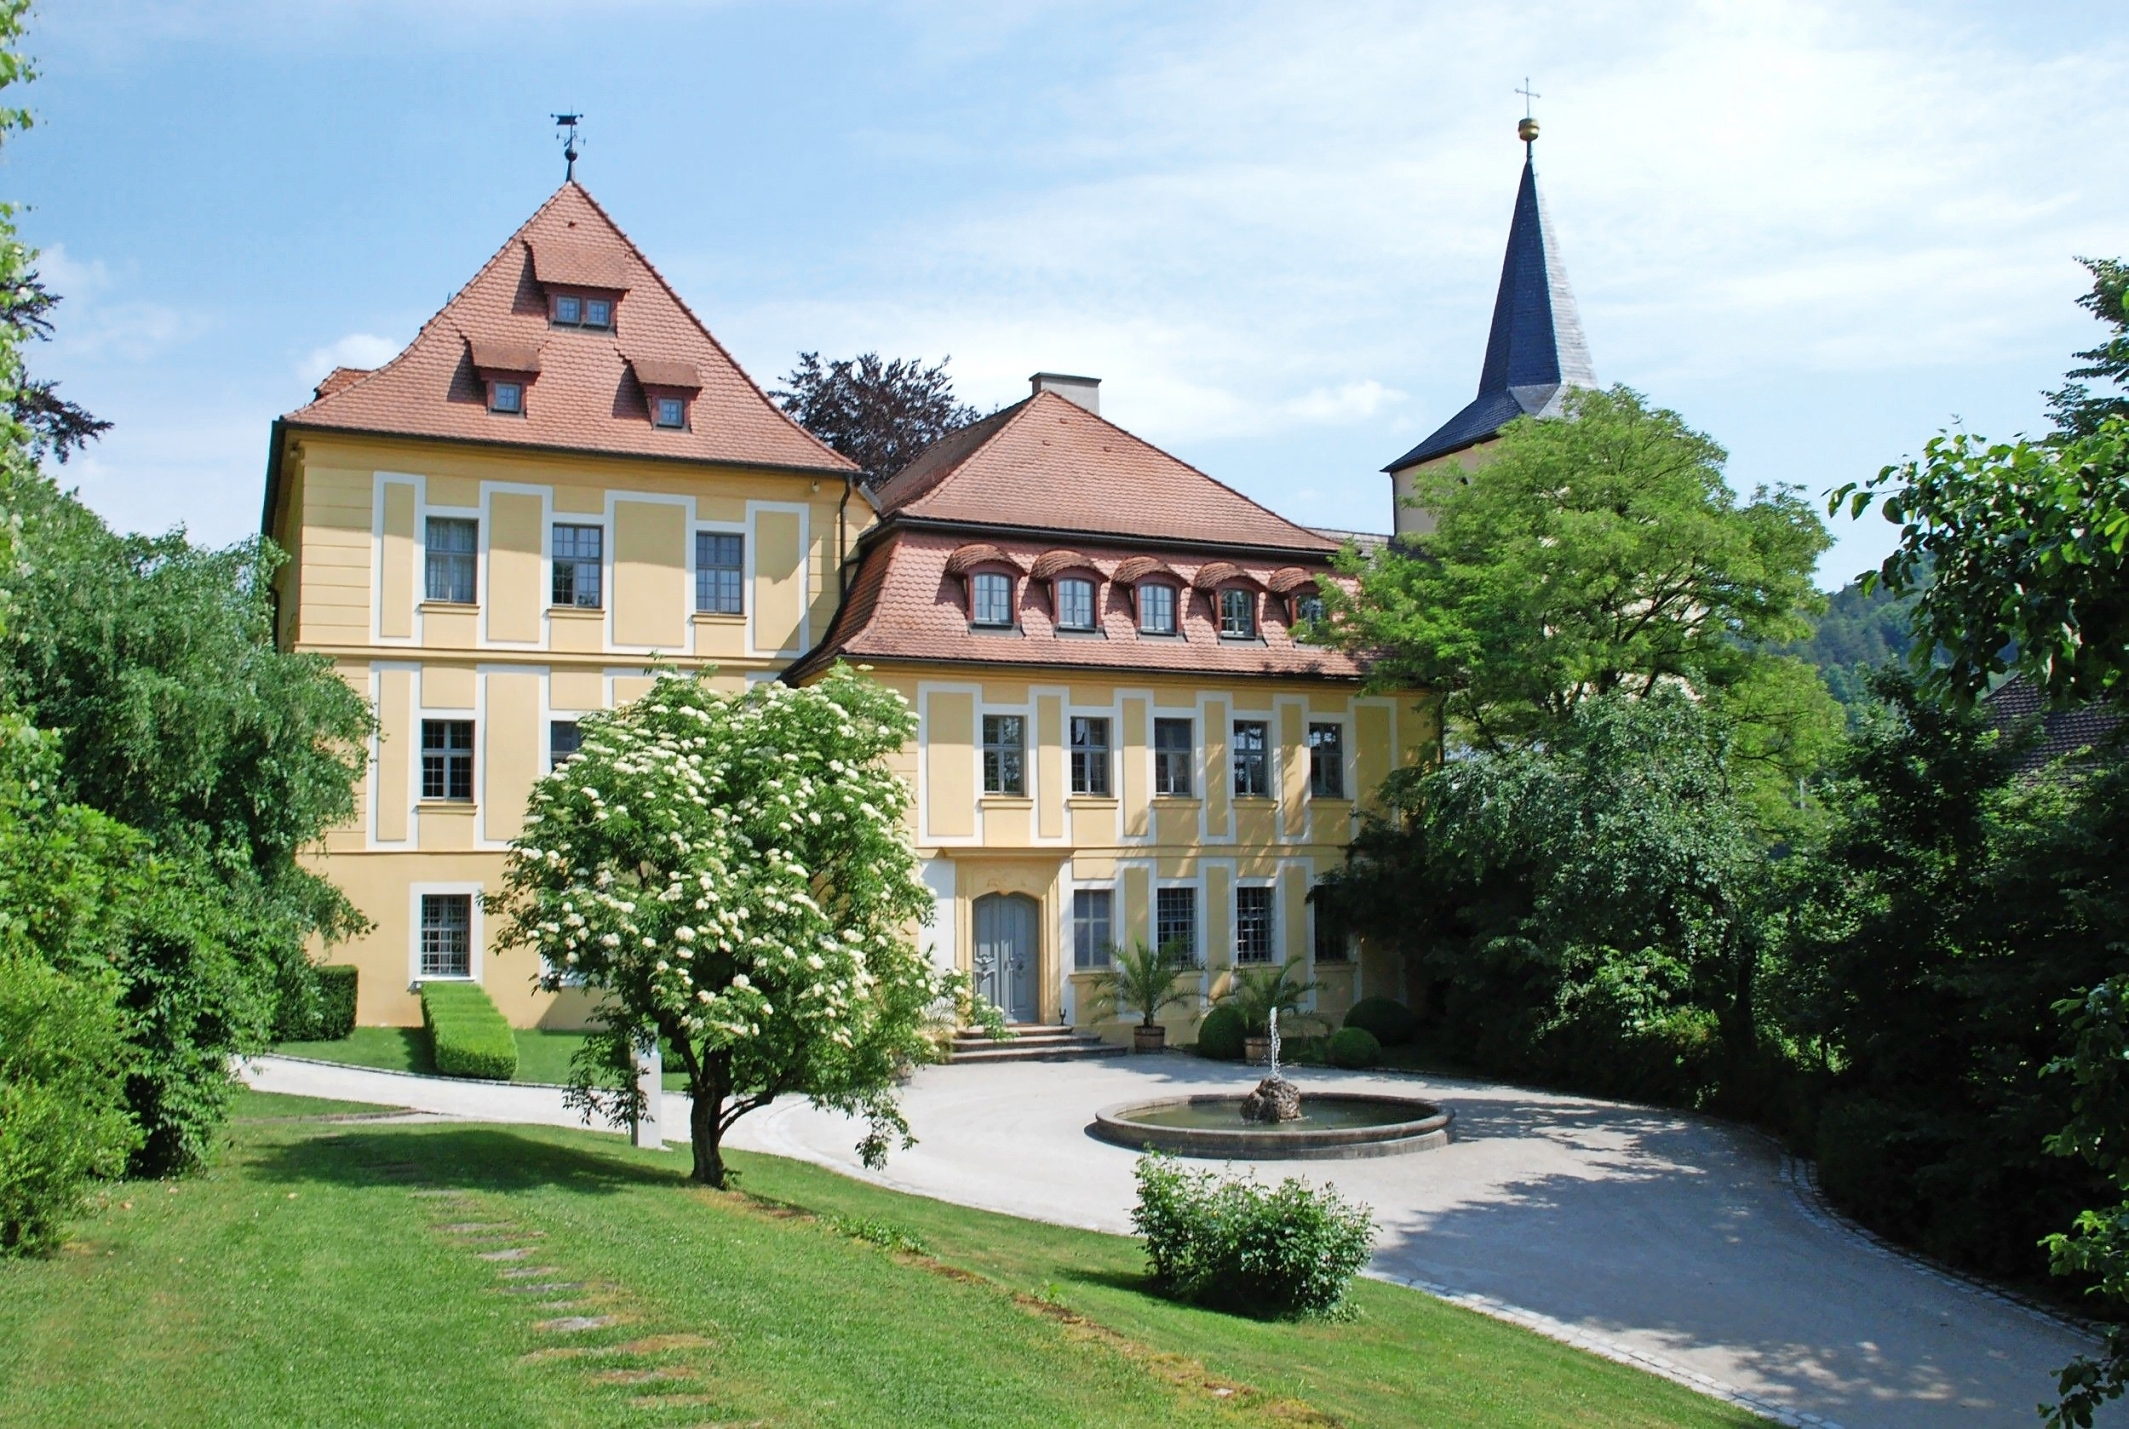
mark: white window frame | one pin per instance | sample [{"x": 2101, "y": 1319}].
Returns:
[
  {"x": 476, "y": 933},
  {"x": 1272, "y": 957},
  {"x": 1200, "y": 954}
]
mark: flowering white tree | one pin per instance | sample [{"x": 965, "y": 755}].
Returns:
[{"x": 731, "y": 872}]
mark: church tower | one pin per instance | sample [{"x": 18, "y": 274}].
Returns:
[{"x": 1533, "y": 355}]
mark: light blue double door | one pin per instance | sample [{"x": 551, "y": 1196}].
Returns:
[{"x": 1007, "y": 953}]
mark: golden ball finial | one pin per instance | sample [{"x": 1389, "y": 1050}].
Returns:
[{"x": 1527, "y": 130}]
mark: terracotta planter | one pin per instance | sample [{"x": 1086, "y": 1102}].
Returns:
[
  {"x": 1149, "y": 1039},
  {"x": 1256, "y": 1049}
]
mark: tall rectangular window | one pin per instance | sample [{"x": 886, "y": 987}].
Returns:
[
  {"x": 1175, "y": 920},
  {"x": 453, "y": 540},
  {"x": 1251, "y": 765},
  {"x": 577, "y": 552},
  {"x": 1253, "y": 925},
  {"x": 720, "y": 572},
  {"x": 1075, "y": 604},
  {"x": 1326, "y": 761},
  {"x": 1004, "y": 754},
  {"x": 564, "y": 739},
  {"x": 447, "y": 935},
  {"x": 1331, "y": 944},
  {"x": 1156, "y": 608},
  {"x": 1092, "y": 910},
  {"x": 1172, "y": 751},
  {"x": 992, "y": 596},
  {"x": 1238, "y": 612},
  {"x": 1090, "y": 756},
  {"x": 447, "y": 759}
]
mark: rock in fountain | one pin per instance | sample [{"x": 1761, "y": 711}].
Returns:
[{"x": 1275, "y": 1099}]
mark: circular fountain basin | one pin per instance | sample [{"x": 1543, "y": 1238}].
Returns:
[{"x": 1333, "y": 1126}]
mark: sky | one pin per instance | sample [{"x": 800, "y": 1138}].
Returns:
[{"x": 1821, "y": 232}]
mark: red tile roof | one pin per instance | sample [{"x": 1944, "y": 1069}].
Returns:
[
  {"x": 585, "y": 398},
  {"x": 904, "y": 605},
  {"x": 1050, "y": 464}
]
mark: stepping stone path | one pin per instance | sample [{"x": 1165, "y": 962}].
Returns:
[{"x": 646, "y": 1363}]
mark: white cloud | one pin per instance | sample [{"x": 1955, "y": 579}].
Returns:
[{"x": 357, "y": 349}]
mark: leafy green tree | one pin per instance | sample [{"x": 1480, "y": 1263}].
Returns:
[
  {"x": 733, "y": 874},
  {"x": 2018, "y": 557},
  {"x": 1598, "y": 553},
  {"x": 154, "y": 663},
  {"x": 1593, "y": 910},
  {"x": 2073, "y": 407}
]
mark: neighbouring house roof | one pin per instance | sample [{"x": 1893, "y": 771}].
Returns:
[
  {"x": 1049, "y": 464},
  {"x": 1535, "y": 351},
  {"x": 1367, "y": 542},
  {"x": 588, "y": 391},
  {"x": 2017, "y": 705},
  {"x": 905, "y": 604}
]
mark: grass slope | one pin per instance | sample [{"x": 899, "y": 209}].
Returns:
[
  {"x": 542, "y": 1055},
  {"x": 359, "y": 1273}
]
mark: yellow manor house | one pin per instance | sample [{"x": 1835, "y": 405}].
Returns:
[{"x": 565, "y": 478}]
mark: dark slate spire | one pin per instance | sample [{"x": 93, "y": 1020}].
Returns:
[{"x": 1536, "y": 350}]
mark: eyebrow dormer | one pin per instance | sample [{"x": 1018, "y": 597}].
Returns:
[
  {"x": 1232, "y": 592},
  {"x": 990, "y": 581},
  {"x": 1075, "y": 589}
]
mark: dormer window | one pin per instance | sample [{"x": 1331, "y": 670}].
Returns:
[
  {"x": 1075, "y": 603},
  {"x": 1308, "y": 607},
  {"x": 669, "y": 412},
  {"x": 1238, "y": 613},
  {"x": 576, "y": 310},
  {"x": 1156, "y": 608},
  {"x": 507, "y": 398},
  {"x": 990, "y": 599}
]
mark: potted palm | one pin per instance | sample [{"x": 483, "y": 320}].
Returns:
[
  {"x": 1147, "y": 981},
  {"x": 1256, "y": 991}
]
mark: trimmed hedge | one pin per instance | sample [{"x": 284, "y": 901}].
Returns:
[
  {"x": 317, "y": 1003},
  {"x": 1220, "y": 1034},
  {"x": 1390, "y": 1020},
  {"x": 467, "y": 1036},
  {"x": 1353, "y": 1048},
  {"x": 1268, "y": 1251}
]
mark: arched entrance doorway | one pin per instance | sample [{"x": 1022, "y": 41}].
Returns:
[{"x": 1007, "y": 951}]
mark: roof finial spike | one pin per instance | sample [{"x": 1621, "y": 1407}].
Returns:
[
  {"x": 567, "y": 124},
  {"x": 1527, "y": 131}
]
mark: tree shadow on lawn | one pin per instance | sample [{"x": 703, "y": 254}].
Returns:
[{"x": 483, "y": 1158}]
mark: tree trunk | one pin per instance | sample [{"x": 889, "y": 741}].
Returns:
[{"x": 706, "y": 1122}]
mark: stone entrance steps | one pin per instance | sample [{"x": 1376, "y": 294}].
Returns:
[{"x": 1032, "y": 1042}]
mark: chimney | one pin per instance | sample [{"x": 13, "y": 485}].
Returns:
[{"x": 1079, "y": 391}]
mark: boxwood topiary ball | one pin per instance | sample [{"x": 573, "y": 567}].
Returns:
[
  {"x": 1390, "y": 1020},
  {"x": 1220, "y": 1035},
  {"x": 1354, "y": 1047}
]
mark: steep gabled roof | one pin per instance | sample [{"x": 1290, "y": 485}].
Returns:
[
  {"x": 586, "y": 396},
  {"x": 1536, "y": 350},
  {"x": 1049, "y": 464}
]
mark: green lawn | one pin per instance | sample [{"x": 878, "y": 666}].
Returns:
[
  {"x": 329, "y": 1273},
  {"x": 542, "y": 1055}
]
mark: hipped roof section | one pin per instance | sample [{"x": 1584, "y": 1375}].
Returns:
[
  {"x": 587, "y": 398},
  {"x": 1049, "y": 464}
]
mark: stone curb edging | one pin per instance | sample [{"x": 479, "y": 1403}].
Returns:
[
  {"x": 1612, "y": 1350},
  {"x": 1800, "y": 1177}
]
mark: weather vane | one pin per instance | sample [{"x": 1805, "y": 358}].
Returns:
[
  {"x": 1527, "y": 131},
  {"x": 569, "y": 122}
]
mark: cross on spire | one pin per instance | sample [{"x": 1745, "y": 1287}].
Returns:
[{"x": 1528, "y": 95}]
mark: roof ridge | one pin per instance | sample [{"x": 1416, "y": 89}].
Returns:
[
  {"x": 926, "y": 482},
  {"x": 1133, "y": 436}
]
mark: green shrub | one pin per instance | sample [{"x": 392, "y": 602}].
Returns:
[
  {"x": 317, "y": 1003},
  {"x": 63, "y": 1065},
  {"x": 1220, "y": 1034},
  {"x": 467, "y": 1036},
  {"x": 1270, "y": 1252},
  {"x": 1353, "y": 1047},
  {"x": 1391, "y": 1022}
]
